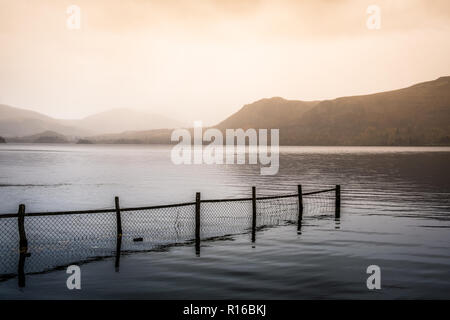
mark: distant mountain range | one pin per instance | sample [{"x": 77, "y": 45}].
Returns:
[
  {"x": 15, "y": 122},
  {"x": 417, "y": 115}
]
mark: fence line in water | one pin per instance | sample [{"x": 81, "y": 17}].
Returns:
[{"x": 53, "y": 239}]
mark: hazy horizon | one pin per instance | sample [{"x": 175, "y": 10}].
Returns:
[
  {"x": 174, "y": 118},
  {"x": 192, "y": 60}
]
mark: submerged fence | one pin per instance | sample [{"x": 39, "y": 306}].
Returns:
[{"x": 48, "y": 240}]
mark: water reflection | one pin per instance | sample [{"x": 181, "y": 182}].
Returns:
[
  {"x": 395, "y": 213},
  {"x": 267, "y": 213}
]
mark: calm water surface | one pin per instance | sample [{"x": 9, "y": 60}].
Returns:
[{"x": 395, "y": 214}]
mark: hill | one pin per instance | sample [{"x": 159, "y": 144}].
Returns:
[
  {"x": 43, "y": 137},
  {"x": 268, "y": 113},
  {"x": 21, "y": 122},
  {"x": 120, "y": 120},
  {"x": 159, "y": 136},
  {"x": 417, "y": 115},
  {"x": 16, "y": 122}
]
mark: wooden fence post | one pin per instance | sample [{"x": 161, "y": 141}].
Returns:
[
  {"x": 300, "y": 207},
  {"x": 253, "y": 214},
  {"x": 337, "y": 213},
  {"x": 119, "y": 233},
  {"x": 197, "y": 223},
  {"x": 23, "y": 245}
]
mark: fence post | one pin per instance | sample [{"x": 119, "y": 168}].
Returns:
[
  {"x": 197, "y": 223},
  {"x": 118, "y": 218},
  {"x": 253, "y": 214},
  {"x": 337, "y": 213},
  {"x": 23, "y": 245},
  {"x": 119, "y": 233},
  {"x": 300, "y": 207}
]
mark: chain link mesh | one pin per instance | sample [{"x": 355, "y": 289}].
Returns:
[
  {"x": 220, "y": 219},
  {"x": 9, "y": 246},
  {"x": 150, "y": 228},
  {"x": 63, "y": 238},
  {"x": 274, "y": 212},
  {"x": 57, "y": 240},
  {"x": 319, "y": 204}
]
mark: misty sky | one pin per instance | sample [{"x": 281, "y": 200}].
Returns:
[{"x": 204, "y": 59}]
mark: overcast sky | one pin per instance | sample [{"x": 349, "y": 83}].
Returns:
[{"x": 204, "y": 59}]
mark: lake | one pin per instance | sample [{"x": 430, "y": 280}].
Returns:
[{"x": 395, "y": 214}]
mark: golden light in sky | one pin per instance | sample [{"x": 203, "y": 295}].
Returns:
[{"x": 204, "y": 59}]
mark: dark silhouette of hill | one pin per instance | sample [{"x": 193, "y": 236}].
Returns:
[
  {"x": 417, "y": 115},
  {"x": 268, "y": 113},
  {"x": 158, "y": 136},
  {"x": 43, "y": 137},
  {"x": 84, "y": 141}
]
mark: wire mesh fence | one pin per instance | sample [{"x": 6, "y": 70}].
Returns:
[
  {"x": 276, "y": 211},
  {"x": 319, "y": 204},
  {"x": 145, "y": 229},
  {"x": 57, "y": 239},
  {"x": 225, "y": 218}
]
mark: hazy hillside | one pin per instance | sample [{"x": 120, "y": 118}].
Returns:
[
  {"x": 8, "y": 113},
  {"x": 15, "y": 122},
  {"x": 417, "y": 115},
  {"x": 20, "y": 122},
  {"x": 119, "y": 120}
]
